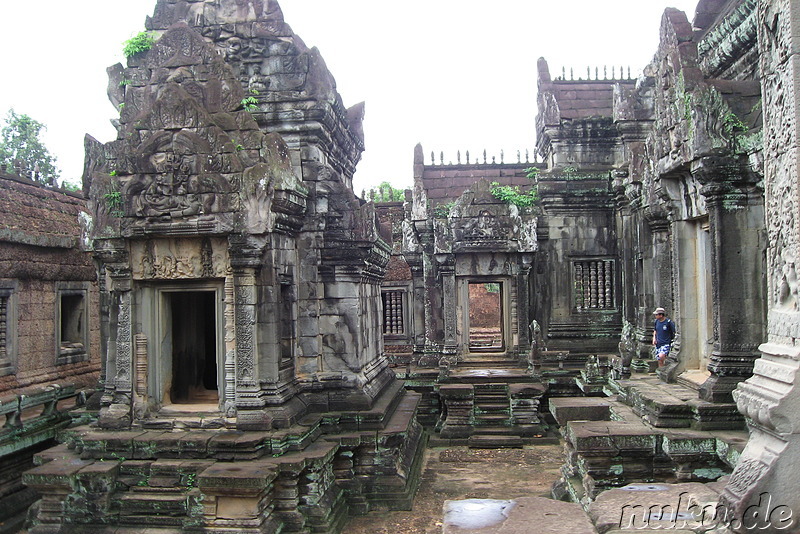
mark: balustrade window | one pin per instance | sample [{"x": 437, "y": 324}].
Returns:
[
  {"x": 4, "y": 328},
  {"x": 594, "y": 284},
  {"x": 7, "y": 331},
  {"x": 393, "y": 322}
]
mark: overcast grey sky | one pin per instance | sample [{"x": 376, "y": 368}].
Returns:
[{"x": 451, "y": 74}]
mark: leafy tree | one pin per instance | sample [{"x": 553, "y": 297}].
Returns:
[
  {"x": 385, "y": 193},
  {"x": 19, "y": 139}
]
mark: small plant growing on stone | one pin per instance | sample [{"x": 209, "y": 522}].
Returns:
[
  {"x": 442, "y": 211},
  {"x": 250, "y": 103},
  {"x": 513, "y": 195},
  {"x": 532, "y": 173},
  {"x": 114, "y": 202},
  {"x": 239, "y": 147},
  {"x": 141, "y": 42}
]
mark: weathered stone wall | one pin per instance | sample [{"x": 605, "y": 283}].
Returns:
[
  {"x": 40, "y": 259},
  {"x": 40, "y": 237},
  {"x": 445, "y": 183},
  {"x": 36, "y": 342},
  {"x": 769, "y": 397}
]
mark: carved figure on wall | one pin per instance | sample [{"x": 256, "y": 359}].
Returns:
[
  {"x": 627, "y": 349},
  {"x": 537, "y": 345},
  {"x": 483, "y": 227}
]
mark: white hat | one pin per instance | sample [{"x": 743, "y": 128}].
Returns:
[{"x": 660, "y": 310}]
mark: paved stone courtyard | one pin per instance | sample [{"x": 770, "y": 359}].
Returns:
[{"x": 461, "y": 473}]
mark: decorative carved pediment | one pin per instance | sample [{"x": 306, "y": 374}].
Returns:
[{"x": 479, "y": 221}]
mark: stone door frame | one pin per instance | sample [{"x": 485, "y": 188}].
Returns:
[{"x": 154, "y": 304}]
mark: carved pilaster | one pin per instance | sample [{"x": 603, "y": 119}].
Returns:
[
  {"x": 123, "y": 379},
  {"x": 735, "y": 223},
  {"x": 230, "y": 347},
  {"x": 658, "y": 220},
  {"x": 449, "y": 298}
]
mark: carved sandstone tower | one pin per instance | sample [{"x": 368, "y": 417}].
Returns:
[{"x": 240, "y": 283}]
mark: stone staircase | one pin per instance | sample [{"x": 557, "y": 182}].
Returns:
[{"x": 490, "y": 401}]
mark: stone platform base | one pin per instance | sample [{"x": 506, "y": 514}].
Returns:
[
  {"x": 609, "y": 445},
  {"x": 306, "y": 478},
  {"x": 675, "y": 406}
]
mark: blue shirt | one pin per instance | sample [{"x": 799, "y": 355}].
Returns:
[{"x": 665, "y": 331}]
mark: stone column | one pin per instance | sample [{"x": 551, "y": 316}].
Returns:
[
  {"x": 659, "y": 224},
  {"x": 523, "y": 318},
  {"x": 770, "y": 399},
  {"x": 249, "y": 404},
  {"x": 118, "y": 397},
  {"x": 662, "y": 283},
  {"x": 736, "y": 221},
  {"x": 431, "y": 350},
  {"x": 447, "y": 273}
]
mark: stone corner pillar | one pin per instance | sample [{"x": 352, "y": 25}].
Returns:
[{"x": 767, "y": 477}]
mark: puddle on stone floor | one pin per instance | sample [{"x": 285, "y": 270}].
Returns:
[
  {"x": 476, "y": 513},
  {"x": 645, "y": 487}
]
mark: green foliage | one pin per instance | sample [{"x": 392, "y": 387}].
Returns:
[
  {"x": 532, "y": 172},
  {"x": 385, "y": 192},
  {"x": 687, "y": 106},
  {"x": 250, "y": 103},
  {"x": 736, "y": 132},
  {"x": 733, "y": 124},
  {"x": 492, "y": 287},
  {"x": 442, "y": 211},
  {"x": 513, "y": 195},
  {"x": 141, "y": 42},
  {"x": 114, "y": 202},
  {"x": 68, "y": 186},
  {"x": 239, "y": 147},
  {"x": 570, "y": 171},
  {"x": 19, "y": 139}
]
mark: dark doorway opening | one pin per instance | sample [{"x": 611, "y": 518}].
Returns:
[
  {"x": 485, "y": 317},
  {"x": 194, "y": 347}
]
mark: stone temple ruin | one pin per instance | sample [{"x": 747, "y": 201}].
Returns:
[{"x": 275, "y": 353}]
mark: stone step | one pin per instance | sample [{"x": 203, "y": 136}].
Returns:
[
  {"x": 153, "y": 504},
  {"x": 480, "y": 376},
  {"x": 484, "y": 407},
  {"x": 566, "y": 409},
  {"x": 490, "y": 417},
  {"x": 494, "y": 441},
  {"x": 495, "y": 430},
  {"x": 675, "y": 406}
]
